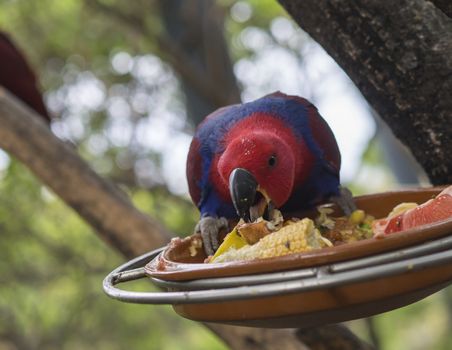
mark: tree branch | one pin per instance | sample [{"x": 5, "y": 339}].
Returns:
[
  {"x": 332, "y": 337},
  {"x": 242, "y": 338},
  {"x": 399, "y": 54},
  {"x": 444, "y": 5},
  {"x": 100, "y": 203}
]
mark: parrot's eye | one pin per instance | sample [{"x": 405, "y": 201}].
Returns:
[{"x": 272, "y": 161}]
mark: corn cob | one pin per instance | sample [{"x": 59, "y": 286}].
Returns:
[{"x": 297, "y": 237}]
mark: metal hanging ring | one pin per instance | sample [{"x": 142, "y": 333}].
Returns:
[{"x": 325, "y": 277}]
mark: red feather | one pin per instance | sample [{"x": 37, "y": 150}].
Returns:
[{"x": 17, "y": 76}]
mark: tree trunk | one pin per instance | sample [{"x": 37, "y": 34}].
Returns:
[
  {"x": 399, "y": 54},
  {"x": 196, "y": 27}
]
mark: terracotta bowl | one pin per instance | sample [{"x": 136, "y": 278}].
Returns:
[
  {"x": 337, "y": 302},
  {"x": 176, "y": 263}
]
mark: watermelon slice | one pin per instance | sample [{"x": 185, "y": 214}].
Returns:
[{"x": 434, "y": 210}]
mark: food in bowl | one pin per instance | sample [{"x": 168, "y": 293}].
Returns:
[
  {"x": 265, "y": 239},
  {"x": 409, "y": 215}
]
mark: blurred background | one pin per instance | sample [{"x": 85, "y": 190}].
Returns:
[{"x": 126, "y": 84}]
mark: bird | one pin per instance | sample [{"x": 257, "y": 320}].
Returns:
[
  {"x": 276, "y": 150},
  {"x": 17, "y": 76}
]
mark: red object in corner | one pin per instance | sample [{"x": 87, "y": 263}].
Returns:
[{"x": 17, "y": 76}]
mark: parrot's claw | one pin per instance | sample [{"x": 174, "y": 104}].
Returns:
[
  {"x": 209, "y": 228},
  {"x": 345, "y": 201}
]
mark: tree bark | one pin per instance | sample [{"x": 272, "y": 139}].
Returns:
[
  {"x": 331, "y": 337},
  {"x": 399, "y": 54},
  {"x": 444, "y": 5}
]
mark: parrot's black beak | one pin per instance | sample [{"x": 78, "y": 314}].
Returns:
[{"x": 243, "y": 188}]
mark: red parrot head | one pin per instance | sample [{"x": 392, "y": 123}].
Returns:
[
  {"x": 261, "y": 155},
  {"x": 265, "y": 157}
]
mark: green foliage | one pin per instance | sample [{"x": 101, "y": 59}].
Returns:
[
  {"x": 423, "y": 325},
  {"x": 177, "y": 214},
  {"x": 51, "y": 271}
]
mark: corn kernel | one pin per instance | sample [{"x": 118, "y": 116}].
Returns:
[
  {"x": 295, "y": 238},
  {"x": 357, "y": 216}
]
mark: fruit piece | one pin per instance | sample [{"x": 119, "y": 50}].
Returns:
[
  {"x": 232, "y": 240},
  {"x": 434, "y": 210},
  {"x": 357, "y": 216}
]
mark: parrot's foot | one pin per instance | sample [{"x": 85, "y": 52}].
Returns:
[
  {"x": 345, "y": 201},
  {"x": 210, "y": 227}
]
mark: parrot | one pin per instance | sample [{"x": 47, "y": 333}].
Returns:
[
  {"x": 276, "y": 150},
  {"x": 17, "y": 76}
]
